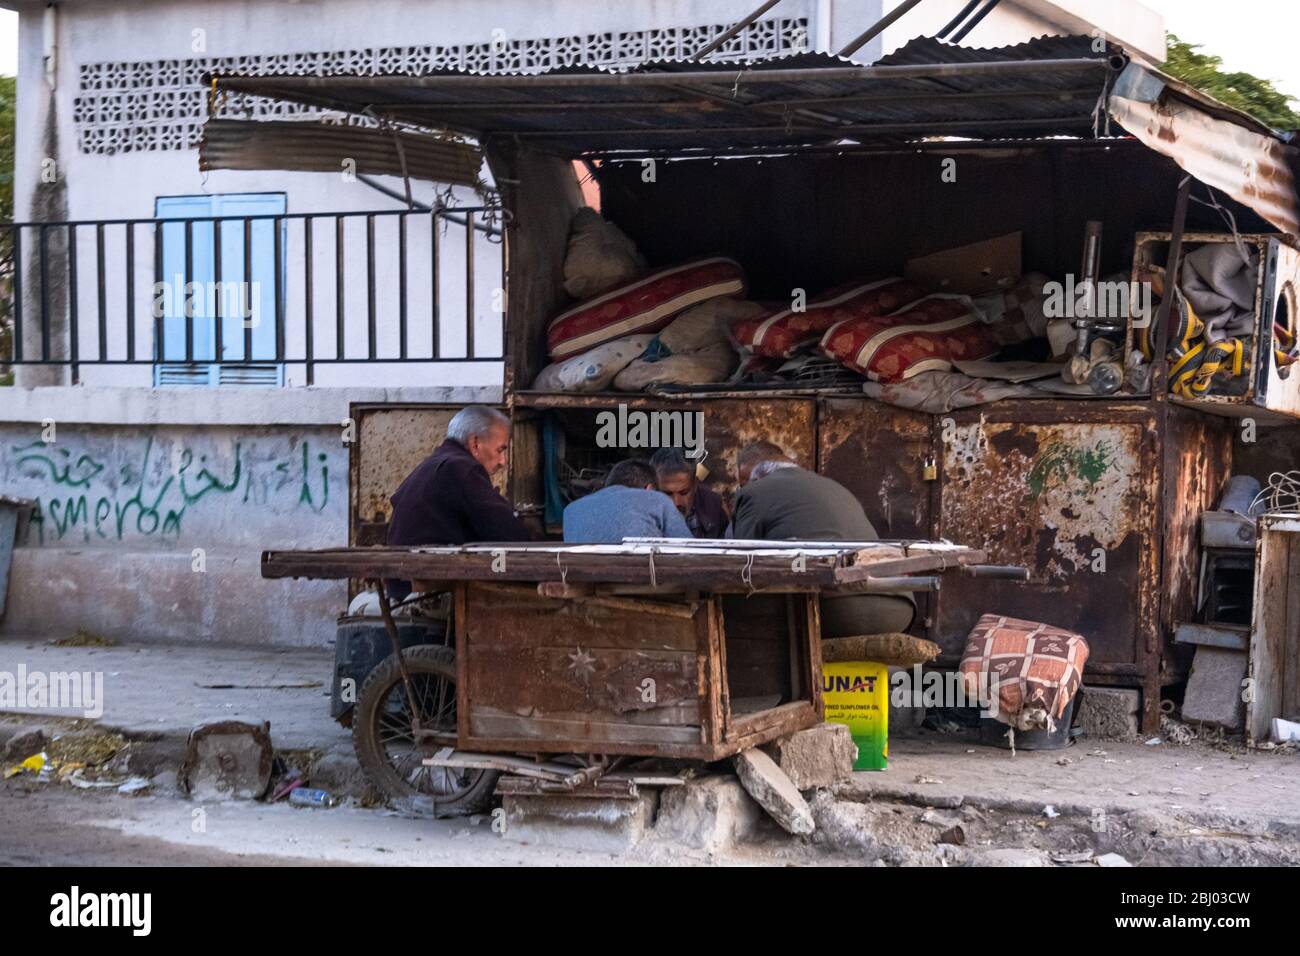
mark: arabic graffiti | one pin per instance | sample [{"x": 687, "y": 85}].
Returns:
[{"x": 81, "y": 494}]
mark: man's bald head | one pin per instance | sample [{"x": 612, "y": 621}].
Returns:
[{"x": 756, "y": 452}]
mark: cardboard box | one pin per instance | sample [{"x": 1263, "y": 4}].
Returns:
[{"x": 975, "y": 269}]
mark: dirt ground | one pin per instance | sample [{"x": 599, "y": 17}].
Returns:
[
  {"x": 943, "y": 802},
  {"x": 946, "y": 799}
]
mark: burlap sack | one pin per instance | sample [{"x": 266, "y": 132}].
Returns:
[
  {"x": 591, "y": 371},
  {"x": 707, "y": 324},
  {"x": 701, "y": 367},
  {"x": 599, "y": 256}
]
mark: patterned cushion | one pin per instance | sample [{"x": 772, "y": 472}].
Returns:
[
  {"x": 646, "y": 305},
  {"x": 928, "y": 335},
  {"x": 781, "y": 334},
  {"x": 1035, "y": 669}
]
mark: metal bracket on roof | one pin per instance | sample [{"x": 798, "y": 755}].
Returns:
[{"x": 1135, "y": 83}]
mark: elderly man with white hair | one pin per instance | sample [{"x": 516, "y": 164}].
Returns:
[{"x": 449, "y": 497}]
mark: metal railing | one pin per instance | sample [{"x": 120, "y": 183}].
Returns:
[{"x": 327, "y": 273}]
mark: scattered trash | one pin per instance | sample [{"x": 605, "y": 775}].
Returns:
[
  {"x": 309, "y": 797},
  {"x": 1083, "y": 856},
  {"x": 1175, "y": 732},
  {"x": 922, "y": 778},
  {"x": 1111, "y": 859},
  {"x": 135, "y": 785},
  {"x": 955, "y": 835},
  {"x": 285, "y": 789},
  {"x": 1050, "y": 812},
  {"x": 84, "y": 638},
  {"x": 87, "y": 750},
  {"x": 1064, "y": 762},
  {"x": 81, "y": 782},
  {"x": 1154, "y": 742},
  {"x": 33, "y": 764}
]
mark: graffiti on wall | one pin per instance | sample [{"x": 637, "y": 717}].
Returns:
[{"x": 150, "y": 490}]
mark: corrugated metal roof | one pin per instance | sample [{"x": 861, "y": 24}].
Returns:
[
  {"x": 1048, "y": 86},
  {"x": 324, "y": 147}
]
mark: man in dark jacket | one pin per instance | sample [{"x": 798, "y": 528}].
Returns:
[
  {"x": 700, "y": 505},
  {"x": 779, "y": 501},
  {"x": 449, "y": 497}
]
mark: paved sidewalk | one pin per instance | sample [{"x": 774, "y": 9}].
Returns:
[
  {"x": 170, "y": 689},
  {"x": 1213, "y": 785}
]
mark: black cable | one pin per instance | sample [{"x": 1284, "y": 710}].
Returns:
[
  {"x": 961, "y": 15},
  {"x": 973, "y": 22}
]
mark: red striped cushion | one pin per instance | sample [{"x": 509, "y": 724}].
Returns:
[
  {"x": 646, "y": 305},
  {"x": 926, "y": 336},
  {"x": 781, "y": 334}
]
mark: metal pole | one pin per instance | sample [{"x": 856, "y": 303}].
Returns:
[
  {"x": 879, "y": 27},
  {"x": 737, "y": 28}
]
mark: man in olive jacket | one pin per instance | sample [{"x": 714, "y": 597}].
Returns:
[{"x": 779, "y": 501}]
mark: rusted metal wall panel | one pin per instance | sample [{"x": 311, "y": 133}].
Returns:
[
  {"x": 878, "y": 452},
  {"x": 1197, "y": 464},
  {"x": 1069, "y": 490},
  {"x": 729, "y": 425},
  {"x": 390, "y": 441}
]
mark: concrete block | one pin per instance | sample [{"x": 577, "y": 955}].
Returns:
[
  {"x": 774, "y": 791},
  {"x": 844, "y": 825},
  {"x": 24, "y": 743},
  {"x": 1214, "y": 688},
  {"x": 1109, "y": 711},
  {"x": 820, "y": 756},
  {"x": 709, "y": 813},
  {"x": 580, "y": 823}
]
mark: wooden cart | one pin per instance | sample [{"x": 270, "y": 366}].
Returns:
[{"x": 652, "y": 648}]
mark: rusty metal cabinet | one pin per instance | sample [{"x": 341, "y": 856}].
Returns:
[{"x": 1099, "y": 499}]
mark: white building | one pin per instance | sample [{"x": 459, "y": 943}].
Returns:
[{"x": 160, "y": 478}]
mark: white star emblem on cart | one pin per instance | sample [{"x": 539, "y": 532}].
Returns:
[{"x": 582, "y": 663}]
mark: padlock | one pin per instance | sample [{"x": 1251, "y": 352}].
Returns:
[{"x": 931, "y": 472}]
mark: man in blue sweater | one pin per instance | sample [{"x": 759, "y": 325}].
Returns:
[{"x": 629, "y": 506}]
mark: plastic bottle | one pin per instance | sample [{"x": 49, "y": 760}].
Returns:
[{"x": 309, "y": 797}]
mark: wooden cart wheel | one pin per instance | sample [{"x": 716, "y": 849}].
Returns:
[{"x": 386, "y": 745}]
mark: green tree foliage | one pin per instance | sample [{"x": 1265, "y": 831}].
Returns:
[{"x": 1245, "y": 91}]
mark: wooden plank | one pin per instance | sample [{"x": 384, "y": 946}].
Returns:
[
  {"x": 577, "y": 734},
  {"x": 1267, "y": 660},
  {"x": 605, "y": 684},
  {"x": 713, "y": 700},
  {"x": 937, "y": 561},
  {"x": 1291, "y": 632},
  {"x": 705, "y": 571},
  {"x": 813, "y": 647},
  {"x": 516, "y": 616},
  {"x": 463, "y": 702},
  {"x": 752, "y": 730}
]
